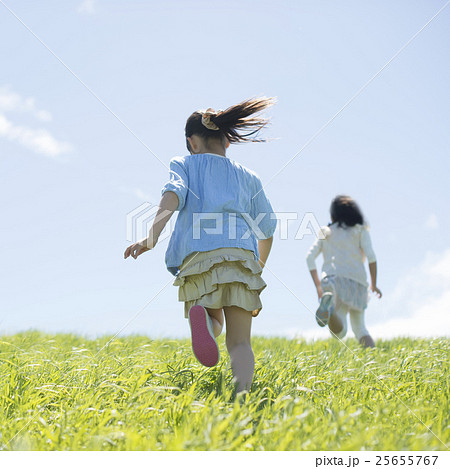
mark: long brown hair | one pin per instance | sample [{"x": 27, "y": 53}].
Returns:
[{"x": 236, "y": 123}]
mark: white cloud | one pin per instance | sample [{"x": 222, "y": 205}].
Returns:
[
  {"x": 13, "y": 102},
  {"x": 87, "y": 7},
  {"x": 427, "y": 281},
  {"x": 38, "y": 140},
  {"x": 316, "y": 333},
  {"x": 430, "y": 319},
  {"x": 432, "y": 222},
  {"x": 419, "y": 305}
]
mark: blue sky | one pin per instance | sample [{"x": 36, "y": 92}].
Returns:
[{"x": 70, "y": 171}]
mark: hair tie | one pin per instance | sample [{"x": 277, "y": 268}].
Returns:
[{"x": 206, "y": 119}]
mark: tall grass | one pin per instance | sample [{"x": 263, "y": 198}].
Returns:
[{"x": 65, "y": 392}]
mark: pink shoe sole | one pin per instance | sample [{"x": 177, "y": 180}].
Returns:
[{"x": 204, "y": 344}]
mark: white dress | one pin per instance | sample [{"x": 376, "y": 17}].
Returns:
[{"x": 344, "y": 250}]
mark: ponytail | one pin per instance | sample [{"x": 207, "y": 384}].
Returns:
[{"x": 236, "y": 123}]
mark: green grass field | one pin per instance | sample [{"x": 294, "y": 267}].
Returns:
[{"x": 64, "y": 392}]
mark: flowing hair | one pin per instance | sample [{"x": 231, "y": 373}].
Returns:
[
  {"x": 237, "y": 123},
  {"x": 345, "y": 211}
]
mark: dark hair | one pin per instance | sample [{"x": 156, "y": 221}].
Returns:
[
  {"x": 344, "y": 210},
  {"x": 230, "y": 123}
]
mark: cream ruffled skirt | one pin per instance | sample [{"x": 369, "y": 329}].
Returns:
[{"x": 222, "y": 277}]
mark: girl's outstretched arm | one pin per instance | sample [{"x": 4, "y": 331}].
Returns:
[
  {"x": 366, "y": 245},
  {"x": 167, "y": 205},
  {"x": 264, "y": 247},
  {"x": 313, "y": 252},
  {"x": 317, "y": 284},
  {"x": 373, "y": 278}
]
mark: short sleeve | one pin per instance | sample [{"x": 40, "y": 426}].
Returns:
[
  {"x": 178, "y": 182},
  {"x": 366, "y": 245},
  {"x": 262, "y": 212}
]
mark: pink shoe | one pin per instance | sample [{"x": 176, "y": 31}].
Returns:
[{"x": 204, "y": 344}]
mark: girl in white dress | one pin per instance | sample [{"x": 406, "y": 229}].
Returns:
[{"x": 344, "y": 288}]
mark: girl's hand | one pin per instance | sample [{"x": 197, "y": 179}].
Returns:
[
  {"x": 136, "y": 249},
  {"x": 319, "y": 291},
  {"x": 377, "y": 291}
]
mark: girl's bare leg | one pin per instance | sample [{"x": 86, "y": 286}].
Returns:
[
  {"x": 216, "y": 316},
  {"x": 239, "y": 323}
]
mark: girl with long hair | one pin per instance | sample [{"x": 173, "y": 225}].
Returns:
[{"x": 344, "y": 288}]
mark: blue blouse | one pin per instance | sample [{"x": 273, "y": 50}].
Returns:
[{"x": 221, "y": 204}]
